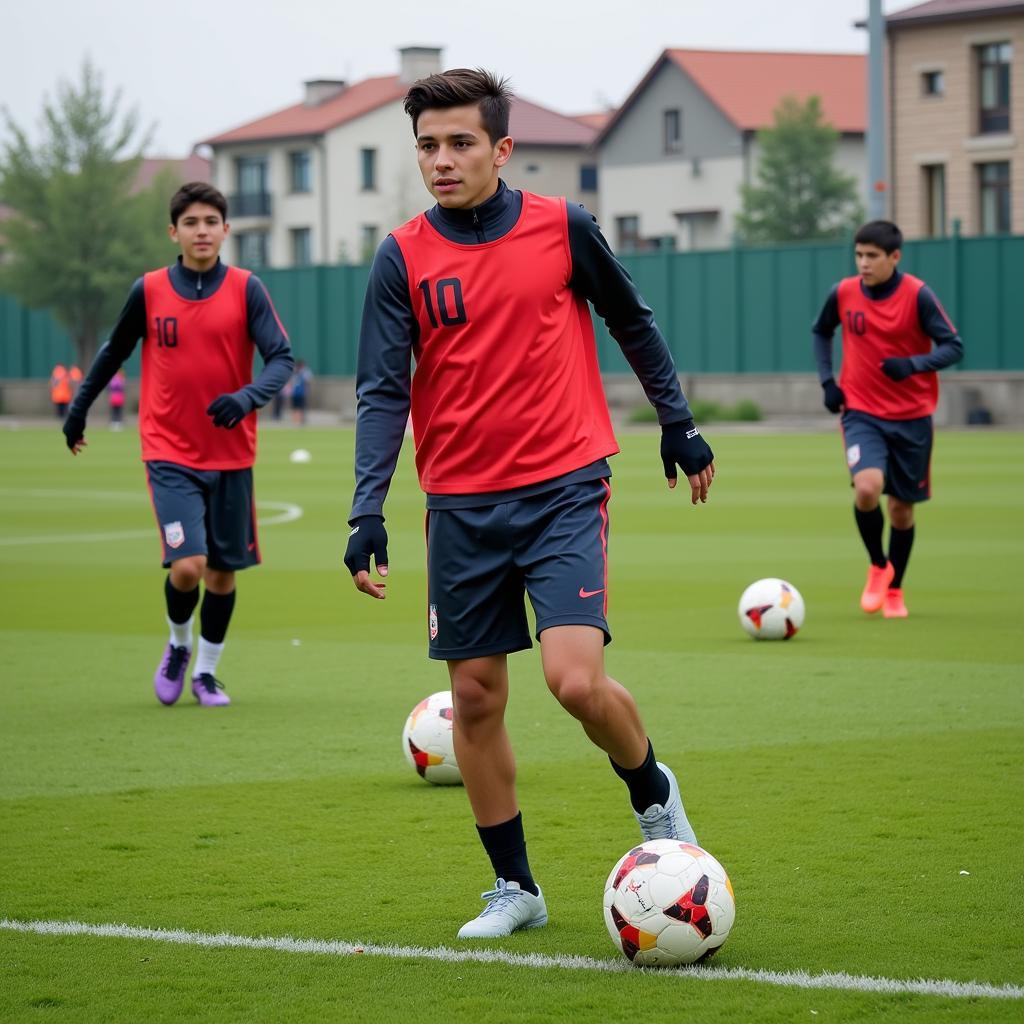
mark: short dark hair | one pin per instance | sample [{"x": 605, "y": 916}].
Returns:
[
  {"x": 882, "y": 233},
  {"x": 458, "y": 88},
  {"x": 197, "y": 192}
]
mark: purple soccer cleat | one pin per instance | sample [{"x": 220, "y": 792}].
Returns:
[
  {"x": 209, "y": 691},
  {"x": 170, "y": 676}
]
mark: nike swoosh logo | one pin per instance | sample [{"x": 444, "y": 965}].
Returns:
[{"x": 590, "y": 593}]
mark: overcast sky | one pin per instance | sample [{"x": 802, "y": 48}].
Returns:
[{"x": 195, "y": 68}]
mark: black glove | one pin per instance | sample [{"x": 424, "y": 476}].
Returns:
[
  {"x": 368, "y": 537},
  {"x": 682, "y": 443},
  {"x": 834, "y": 397},
  {"x": 74, "y": 429},
  {"x": 227, "y": 411},
  {"x": 898, "y": 367}
]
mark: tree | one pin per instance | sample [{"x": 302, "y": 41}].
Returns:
[
  {"x": 78, "y": 236},
  {"x": 800, "y": 195}
]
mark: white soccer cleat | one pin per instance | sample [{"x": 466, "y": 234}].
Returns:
[
  {"x": 508, "y": 909},
  {"x": 668, "y": 821}
]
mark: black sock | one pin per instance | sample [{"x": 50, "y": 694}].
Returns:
[
  {"x": 900, "y": 543},
  {"x": 647, "y": 784},
  {"x": 506, "y": 846},
  {"x": 870, "y": 525},
  {"x": 180, "y": 603},
  {"x": 215, "y": 615}
]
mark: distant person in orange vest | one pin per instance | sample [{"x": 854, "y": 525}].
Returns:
[
  {"x": 115, "y": 394},
  {"x": 60, "y": 389}
]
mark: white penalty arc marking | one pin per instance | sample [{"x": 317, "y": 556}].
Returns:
[
  {"x": 286, "y": 512},
  {"x": 832, "y": 981}
]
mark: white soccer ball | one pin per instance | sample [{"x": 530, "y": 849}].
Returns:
[
  {"x": 771, "y": 609},
  {"x": 427, "y": 740},
  {"x": 668, "y": 903},
  {"x": 300, "y": 455}
]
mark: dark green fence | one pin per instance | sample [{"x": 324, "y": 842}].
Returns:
[{"x": 731, "y": 311}]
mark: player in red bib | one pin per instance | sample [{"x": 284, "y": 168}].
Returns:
[
  {"x": 200, "y": 322},
  {"x": 896, "y": 337},
  {"x": 488, "y": 293}
]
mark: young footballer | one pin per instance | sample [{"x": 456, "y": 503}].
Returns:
[
  {"x": 199, "y": 321},
  {"x": 896, "y": 337},
  {"x": 488, "y": 292}
]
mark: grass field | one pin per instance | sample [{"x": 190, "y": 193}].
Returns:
[{"x": 862, "y": 784}]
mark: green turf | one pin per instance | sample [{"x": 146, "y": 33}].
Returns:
[{"x": 846, "y": 779}]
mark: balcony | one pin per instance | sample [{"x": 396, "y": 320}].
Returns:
[{"x": 249, "y": 204}]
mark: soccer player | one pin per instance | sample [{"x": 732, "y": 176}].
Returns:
[
  {"x": 488, "y": 291},
  {"x": 895, "y": 337},
  {"x": 199, "y": 321}
]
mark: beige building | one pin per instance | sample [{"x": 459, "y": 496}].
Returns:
[
  {"x": 325, "y": 180},
  {"x": 956, "y": 117}
]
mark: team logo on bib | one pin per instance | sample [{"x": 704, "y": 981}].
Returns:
[
  {"x": 433, "y": 622},
  {"x": 174, "y": 534},
  {"x": 853, "y": 455}
]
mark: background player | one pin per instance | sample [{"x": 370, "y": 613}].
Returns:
[
  {"x": 887, "y": 391},
  {"x": 488, "y": 290},
  {"x": 199, "y": 320}
]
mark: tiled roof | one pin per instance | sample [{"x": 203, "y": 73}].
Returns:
[
  {"x": 597, "y": 120},
  {"x": 747, "y": 86},
  {"x": 530, "y": 123},
  {"x": 190, "y": 168},
  {"x": 353, "y": 102},
  {"x": 954, "y": 9}
]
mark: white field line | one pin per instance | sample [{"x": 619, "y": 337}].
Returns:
[
  {"x": 286, "y": 513},
  {"x": 832, "y": 981}
]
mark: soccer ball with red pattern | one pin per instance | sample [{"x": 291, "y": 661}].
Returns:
[
  {"x": 668, "y": 903},
  {"x": 771, "y": 609},
  {"x": 427, "y": 740}
]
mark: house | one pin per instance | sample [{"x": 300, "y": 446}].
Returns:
[
  {"x": 956, "y": 113},
  {"x": 672, "y": 158},
  {"x": 193, "y": 167},
  {"x": 325, "y": 180}
]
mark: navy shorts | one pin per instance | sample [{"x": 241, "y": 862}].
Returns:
[
  {"x": 901, "y": 449},
  {"x": 481, "y": 561},
  {"x": 205, "y": 512}
]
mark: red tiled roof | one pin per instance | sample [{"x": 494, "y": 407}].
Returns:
[
  {"x": 596, "y": 120},
  {"x": 532, "y": 124},
  {"x": 191, "y": 168},
  {"x": 356, "y": 100},
  {"x": 747, "y": 86},
  {"x": 953, "y": 9}
]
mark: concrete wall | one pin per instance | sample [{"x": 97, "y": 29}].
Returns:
[{"x": 793, "y": 396}]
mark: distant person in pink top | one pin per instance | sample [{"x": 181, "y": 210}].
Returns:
[{"x": 115, "y": 394}]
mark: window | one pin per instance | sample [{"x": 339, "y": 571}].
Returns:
[
  {"x": 532, "y": 168},
  {"x": 588, "y": 178},
  {"x": 302, "y": 247},
  {"x": 368, "y": 164},
  {"x": 252, "y": 198},
  {"x": 994, "y": 196},
  {"x": 252, "y": 248},
  {"x": 933, "y": 83},
  {"x": 935, "y": 197},
  {"x": 302, "y": 171},
  {"x": 672, "y": 123},
  {"x": 994, "y": 87},
  {"x": 367, "y": 242},
  {"x": 627, "y": 233}
]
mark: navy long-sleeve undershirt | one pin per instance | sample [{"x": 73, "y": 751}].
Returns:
[
  {"x": 389, "y": 331},
  {"x": 949, "y": 349},
  {"x": 264, "y": 329}
]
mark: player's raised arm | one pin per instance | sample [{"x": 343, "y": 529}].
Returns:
[
  {"x": 383, "y": 378},
  {"x": 130, "y": 326},
  {"x": 604, "y": 282}
]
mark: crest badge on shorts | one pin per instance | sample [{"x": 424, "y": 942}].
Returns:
[
  {"x": 433, "y": 622},
  {"x": 853, "y": 455},
  {"x": 174, "y": 534}
]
